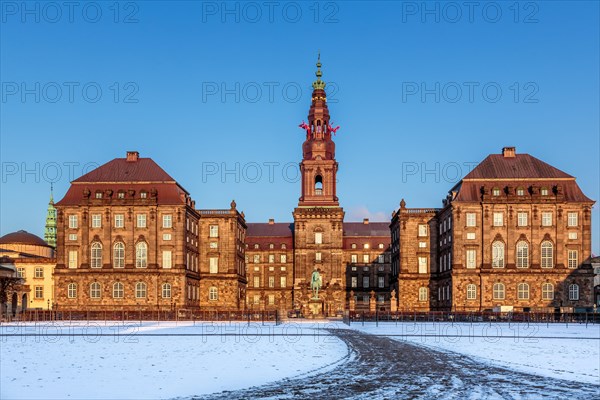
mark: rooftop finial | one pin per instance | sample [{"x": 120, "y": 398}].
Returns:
[{"x": 318, "y": 84}]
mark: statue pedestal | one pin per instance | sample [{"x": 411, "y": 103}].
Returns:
[{"x": 316, "y": 308}]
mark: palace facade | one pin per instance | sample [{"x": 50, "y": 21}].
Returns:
[{"x": 515, "y": 233}]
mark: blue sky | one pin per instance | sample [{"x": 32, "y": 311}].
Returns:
[{"x": 421, "y": 92}]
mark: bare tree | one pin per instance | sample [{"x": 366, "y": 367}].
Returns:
[{"x": 8, "y": 284}]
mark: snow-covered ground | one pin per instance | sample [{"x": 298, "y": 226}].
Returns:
[
  {"x": 150, "y": 362},
  {"x": 563, "y": 351}
]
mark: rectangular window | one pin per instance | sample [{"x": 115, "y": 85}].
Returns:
[
  {"x": 166, "y": 236},
  {"x": 39, "y": 272},
  {"x": 167, "y": 221},
  {"x": 166, "y": 259},
  {"x": 96, "y": 220},
  {"x": 256, "y": 258},
  {"x": 572, "y": 235},
  {"x": 573, "y": 258},
  {"x": 257, "y": 281},
  {"x": 422, "y": 265},
  {"x": 365, "y": 281},
  {"x": 498, "y": 219},
  {"x": 354, "y": 258},
  {"x": 141, "y": 220},
  {"x": 72, "y": 258},
  {"x": 318, "y": 256},
  {"x": 39, "y": 292},
  {"x": 471, "y": 258},
  {"x": 283, "y": 281},
  {"x": 271, "y": 299},
  {"x": 271, "y": 258},
  {"x": 522, "y": 219},
  {"x": 354, "y": 281},
  {"x": 256, "y": 299},
  {"x": 422, "y": 245},
  {"x": 318, "y": 238},
  {"x": 283, "y": 258},
  {"x": 213, "y": 245},
  {"x": 422, "y": 230},
  {"x": 214, "y": 265},
  {"x": 213, "y": 231},
  {"x": 73, "y": 221},
  {"x": 271, "y": 281},
  {"x": 381, "y": 259},
  {"x": 471, "y": 236},
  {"x": 380, "y": 298},
  {"x": 546, "y": 219},
  {"x": 380, "y": 281},
  {"x": 365, "y": 258},
  {"x": 119, "y": 220},
  {"x": 572, "y": 219},
  {"x": 20, "y": 272},
  {"x": 73, "y": 236}
]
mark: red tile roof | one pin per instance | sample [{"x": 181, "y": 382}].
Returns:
[
  {"x": 522, "y": 166},
  {"x": 121, "y": 170},
  {"x": 279, "y": 229},
  {"x": 370, "y": 229},
  {"x": 167, "y": 193}
]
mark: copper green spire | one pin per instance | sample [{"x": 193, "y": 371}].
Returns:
[
  {"x": 319, "y": 84},
  {"x": 50, "y": 231}
]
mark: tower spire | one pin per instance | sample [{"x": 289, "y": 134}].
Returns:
[
  {"x": 319, "y": 84},
  {"x": 50, "y": 229}
]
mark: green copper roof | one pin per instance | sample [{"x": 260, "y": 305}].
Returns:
[{"x": 319, "y": 84}]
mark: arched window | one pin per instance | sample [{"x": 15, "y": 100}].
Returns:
[
  {"x": 573, "y": 292},
  {"x": 547, "y": 254},
  {"x": 523, "y": 291},
  {"x": 522, "y": 255},
  {"x": 141, "y": 255},
  {"x": 140, "y": 290},
  {"x": 166, "y": 291},
  {"x": 118, "y": 290},
  {"x": 498, "y": 291},
  {"x": 96, "y": 255},
  {"x": 318, "y": 185},
  {"x": 119, "y": 255},
  {"x": 283, "y": 246},
  {"x": 423, "y": 294},
  {"x": 72, "y": 290},
  {"x": 213, "y": 293},
  {"x": 547, "y": 291},
  {"x": 498, "y": 254},
  {"x": 95, "y": 290},
  {"x": 471, "y": 292}
]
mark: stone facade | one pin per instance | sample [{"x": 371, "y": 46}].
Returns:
[
  {"x": 513, "y": 235},
  {"x": 127, "y": 239},
  {"x": 222, "y": 266}
]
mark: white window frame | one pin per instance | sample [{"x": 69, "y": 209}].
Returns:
[
  {"x": 141, "y": 255},
  {"x": 213, "y": 265},
  {"x": 471, "y": 220},
  {"x": 422, "y": 230},
  {"x": 573, "y": 292},
  {"x": 498, "y": 291},
  {"x": 572, "y": 219},
  {"x": 547, "y": 218},
  {"x": 167, "y": 259},
  {"x": 572, "y": 259},
  {"x": 73, "y": 221},
  {"x": 73, "y": 255},
  {"x": 471, "y": 258},
  {"x": 498, "y": 219},
  {"x": 547, "y": 291},
  {"x": 498, "y": 254},
  {"x": 318, "y": 237},
  {"x": 118, "y": 291},
  {"x": 96, "y": 255},
  {"x": 422, "y": 265},
  {"x": 95, "y": 290},
  {"x": 283, "y": 281},
  {"x": 423, "y": 294},
  {"x": 471, "y": 291},
  {"x": 167, "y": 221},
  {"x": 522, "y": 254},
  {"x": 141, "y": 290},
  {"x": 166, "y": 291},
  {"x": 213, "y": 293},
  {"x": 547, "y": 254},
  {"x": 119, "y": 255},
  {"x": 523, "y": 291},
  {"x": 354, "y": 282},
  {"x": 141, "y": 221},
  {"x": 96, "y": 220},
  {"x": 213, "y": 231},
  {"x": 72, "y": 290},
  {"x": 522, "y": 219}
]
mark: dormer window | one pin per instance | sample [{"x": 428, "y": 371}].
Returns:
[
  {"x": 496, "y": 192},
  {"x": 283, "y": 246},
  {"x": 544, "y": 191},
  {"x": 353, "y": 245},
  {"x": 143, "y": 195},
  {"x": 121, "y": 195},
  {"x": 256, "y": 246},
  {"x": 271, "y": 246},
  {"x": 520, "y": 192},
  {"x": 98, "y": 195}
]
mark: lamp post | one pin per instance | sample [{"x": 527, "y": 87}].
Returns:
[{"x": 48, "y": 304}]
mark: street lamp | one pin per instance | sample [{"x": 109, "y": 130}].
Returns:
[{"x": 48, "y": 304}]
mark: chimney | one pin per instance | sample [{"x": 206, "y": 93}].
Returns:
[
  {"x": 366, "y": 221},
  {"x": 271, "y": 221},
  {"x": 509, "y": 152},
  {"x": 132, "y": 156}
]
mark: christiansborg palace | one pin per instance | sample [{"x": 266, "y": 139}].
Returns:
[{"x": 513, "y": 234}]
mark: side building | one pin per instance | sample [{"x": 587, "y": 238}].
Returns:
[
  {"x": 512, "y": 236},
  {"x": 128, "y": 239}
]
